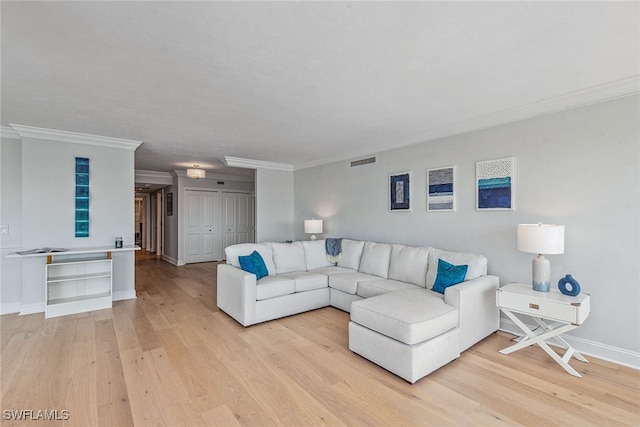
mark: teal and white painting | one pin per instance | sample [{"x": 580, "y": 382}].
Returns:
[{"x": 495, "y": 184}]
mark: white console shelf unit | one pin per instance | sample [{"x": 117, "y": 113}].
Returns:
[{"x": 78, "y": 280}]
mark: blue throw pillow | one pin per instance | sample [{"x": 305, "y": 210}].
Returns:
[
  {"x": 254, "y": 264},
  {"x": 448, "y": 275}
]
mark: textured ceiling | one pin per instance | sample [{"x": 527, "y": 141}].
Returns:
[{"x": 299, "y": 82}]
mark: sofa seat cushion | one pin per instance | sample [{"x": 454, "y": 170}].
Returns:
[
  {"x": 409, "y": 264},
  {"x": 330, "y": 271},
  {"x": 348, "y": 282},
  {"x": 315, "y": 254},
  {"x": 374, "y": 288},
  {"x": 375, "y": 259},
  {"x": 288, "y": 257},
  {"x": 264, "y": 249},
  {"x": 477, "y": 264},
  {"x": 308, "y": 281},
  {"x": 410, "y": 316},
  {"x": 351, "y": 254},
  {"x": 274, "y": 286}
]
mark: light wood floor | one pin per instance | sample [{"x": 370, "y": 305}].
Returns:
[{"x": 171, "y": 358}]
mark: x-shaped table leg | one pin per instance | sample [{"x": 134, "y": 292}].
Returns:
[{"x": 533, "y": 338}]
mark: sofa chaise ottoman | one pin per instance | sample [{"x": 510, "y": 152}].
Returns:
[{"x": 410, "y": 333}]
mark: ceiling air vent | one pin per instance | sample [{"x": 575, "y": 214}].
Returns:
[{"x": 363, "y": 162}]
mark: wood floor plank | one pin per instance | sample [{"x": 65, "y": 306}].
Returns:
[
  {"x": 83, "y": 407},
  {"x": 172, "y": 358},
  {"x": 221, "y": 416},
  {"x": 112, "y": 395}
]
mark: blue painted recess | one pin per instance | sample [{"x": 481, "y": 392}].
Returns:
[{"x": 82, "y": 197}]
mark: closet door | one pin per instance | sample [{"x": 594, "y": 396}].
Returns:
[
  {"x": 202, "y": 235},
  {"x": 243, "y": 218},
  {"x": 238, "y": 218},
  {"x": 229, "y": 219}
]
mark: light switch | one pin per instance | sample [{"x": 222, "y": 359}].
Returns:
[{"x": 4, "y": 229}]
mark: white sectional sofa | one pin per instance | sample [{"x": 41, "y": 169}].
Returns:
[{"x": 397, "y": 322}]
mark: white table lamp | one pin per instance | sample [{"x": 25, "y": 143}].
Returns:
[
  {"x": 313, "y": 226},
  {"x": 541, "y": 239}
]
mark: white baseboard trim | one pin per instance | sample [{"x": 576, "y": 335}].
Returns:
[
  {"x": 13, "y": 307},
  {"x": 169, "y": 259},
  {"x": 17, "y": 307},
  {"x": 119, "y": 296},
  {"x": 31, "y": 308},
  {"x": 587, "y": 347}
]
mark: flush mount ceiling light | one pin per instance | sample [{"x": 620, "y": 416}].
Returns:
[{"x": 196, "y": 173}]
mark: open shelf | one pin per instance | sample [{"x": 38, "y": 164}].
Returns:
[
  {"x": 78, "y": 277},
  {"x": 79, "y": 298},
  {"x": 78, "y": 283}
]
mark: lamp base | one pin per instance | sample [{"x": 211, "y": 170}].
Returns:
[
  {"x": 542, "y": 287},
  {"x": 312, "y": 237},
  {"x": 541, "y": 270}
]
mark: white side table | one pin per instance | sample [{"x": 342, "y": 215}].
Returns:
[{"x": 566, "y": 313}]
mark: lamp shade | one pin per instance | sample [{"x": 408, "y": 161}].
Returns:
[
  {"x": 541, "y": 238},
  {"x": 312, "y": 226}
]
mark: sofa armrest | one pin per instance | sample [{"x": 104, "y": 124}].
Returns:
[
  {"x": 236, "y": 294},
  {"x": 478, "y": 316}
]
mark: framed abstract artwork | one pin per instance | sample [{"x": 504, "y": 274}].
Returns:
[
  {"x": 440, "y": 189},
  {"x": 169, "y": 204},
  {"x": 495, "y": 184},
  {"x": 400, "y": 191}
]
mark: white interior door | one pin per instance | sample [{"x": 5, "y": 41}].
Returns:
[
  {"x": 238, "y": 218},
  {"x": 202, "y": 233},
  {"x": 229, "y": 218},
  {"x": 243, "y": 227}
]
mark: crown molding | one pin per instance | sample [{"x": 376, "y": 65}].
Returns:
[
  {"x": 215, "y": 176},
  {"x": 74, "y": 137},
  {"x": 255, "y": 164},
  {"x": 152, "y": 174},
  {"x": 8, "y": 133},
  {"x": 153, "y": 177},
  {"x": 601, "y": 93}
]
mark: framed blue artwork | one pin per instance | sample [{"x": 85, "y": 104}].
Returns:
[
  {"x": 495, "y": 184},
  {"x": 82, "y": 197},
  {"x": 400, "y": 191},
  {"x": 440, "y": 189}
]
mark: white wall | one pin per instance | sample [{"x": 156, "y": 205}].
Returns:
[
  {"x": 580, "y": 168},
  {"x": 11, "y": 215},
  {"x": 274, "y": 205},
  {"x": 46, "y": 168},
  {"x": 170, "y": 252}
]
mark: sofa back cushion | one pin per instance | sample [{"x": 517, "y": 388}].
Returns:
[
  {"x": 315, "y": 254},
  {"x": 477, "y": 264},
  {"x": 351, "y": 254},
  {"x": 243, "y": 249},
  {"x": 375, "y": 259},
  {"x": 409, "y": 264},
  {"x": 288, "y": 257}
]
